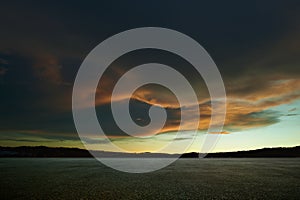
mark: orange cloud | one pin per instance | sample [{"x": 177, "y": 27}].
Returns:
[
  {"x": 221, "y": 132},
  {"x": 243, "y": 112}
]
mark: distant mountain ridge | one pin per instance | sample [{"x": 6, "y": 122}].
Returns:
[{"x": 44, "y": 152}]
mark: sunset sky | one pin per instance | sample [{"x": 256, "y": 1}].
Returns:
[{"x": 255, "y": 44}]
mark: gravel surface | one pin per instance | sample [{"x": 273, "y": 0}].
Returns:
[{"x": 73, "y": 178}]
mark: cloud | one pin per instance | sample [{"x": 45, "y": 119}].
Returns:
[
  {"x": 90, "y": 141},
  {"x": 241, "y": 122},
  {"x": 37, "y": 137},
  {"x": 47, "y": 68},
  {"x": 292, "y": 115},
  {"x": 255, "y": 83},
  {"x": 292, "y": 110},
  {"x": 3, "y": 70},
  {"x": 43, "y": 53},
  {"x": 245, "y": 99},
  {"x": 221, "y": 132},
  {"x": 3, "y": 61}
]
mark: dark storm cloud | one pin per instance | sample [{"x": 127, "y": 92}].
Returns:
[
  {"x": 254, "y": 44},
  {"x": 35, "y": 136},
  {"x": 32, "y": 100}
]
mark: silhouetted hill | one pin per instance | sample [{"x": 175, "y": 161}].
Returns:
[
  {"x": 259, "y": 153},
  {"x": 42, "y": 151}
]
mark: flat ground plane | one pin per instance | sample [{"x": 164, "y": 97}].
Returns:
[{"x": 86, "y": 178}]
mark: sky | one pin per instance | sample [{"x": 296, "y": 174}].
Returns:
[{"x": 255, "y": 45}]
